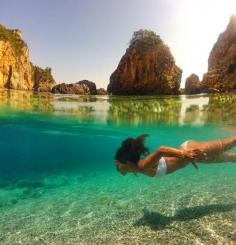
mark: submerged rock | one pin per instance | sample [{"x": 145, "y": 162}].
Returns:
[
  {"x": 221, "y": 75},
  {"x": 147, "y": 67}
]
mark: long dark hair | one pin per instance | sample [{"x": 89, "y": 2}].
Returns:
[{"x": 132, "y": 149}]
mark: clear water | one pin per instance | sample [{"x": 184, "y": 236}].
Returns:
[{"x": 59, "y": 185}]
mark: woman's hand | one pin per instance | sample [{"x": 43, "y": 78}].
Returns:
[{"x": 194, "y": 154}]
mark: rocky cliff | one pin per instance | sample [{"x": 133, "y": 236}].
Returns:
[
  {"x": 16, "y": 70},
  {"x": 221, "y": 75},
  {"x": 147, "y": 67},
  {"x": 15, "y": 67},
  {"x": 43, "y": 79}
]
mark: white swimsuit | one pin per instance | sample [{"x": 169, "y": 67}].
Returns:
[{"x": 162, "y": 168}]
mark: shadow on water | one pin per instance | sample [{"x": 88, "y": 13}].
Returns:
[{"x": 157, "y": 221}]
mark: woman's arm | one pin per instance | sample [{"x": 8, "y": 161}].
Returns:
[{"x": 166, "y": 151}]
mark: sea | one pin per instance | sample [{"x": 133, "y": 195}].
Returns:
[{"x": 59, "y": 184}]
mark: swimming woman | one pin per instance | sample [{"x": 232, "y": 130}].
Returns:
[{"x": 166, "y": 160}]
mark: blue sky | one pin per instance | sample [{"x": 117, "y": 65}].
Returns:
[{"x": 85, "y": 39}]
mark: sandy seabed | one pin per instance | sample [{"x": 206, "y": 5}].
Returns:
[{"x": 188, "y": 207}]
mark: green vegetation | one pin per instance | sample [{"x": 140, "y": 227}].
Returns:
[
  {"x": 145, "y": 40},
  {"x": 11, "y": 36},
  {"x": 147, "y": 34}
]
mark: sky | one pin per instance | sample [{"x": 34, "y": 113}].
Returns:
[{"x": 85, "y": 39}]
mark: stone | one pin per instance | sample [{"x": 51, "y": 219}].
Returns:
[
  {"x": 15, "y": 66},
  {"x": 71, "y": 88},
  {"x": 91, "y": 85},
  {"x": 192, "y": 85},
  {"x": 221, "y": 75},
  {"x": 146, "y": 68},
  {"x": 101, "y": 91},
  {"x": 43, "y": 79}
]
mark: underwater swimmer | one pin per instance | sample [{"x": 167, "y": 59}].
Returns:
[{"x": 166, "y": 160}]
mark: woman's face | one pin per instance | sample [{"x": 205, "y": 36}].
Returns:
[{"x": 129, "y": 167}]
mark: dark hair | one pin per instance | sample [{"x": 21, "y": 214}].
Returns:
[{"x": 131, "y": 149}]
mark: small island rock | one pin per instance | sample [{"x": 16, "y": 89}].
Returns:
[{"x": 147, "y": 67}]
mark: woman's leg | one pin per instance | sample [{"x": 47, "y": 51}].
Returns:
[
  {"x": 212, "y": 148},
  {"x": 223, "y": 157},
  {"x": 228, "y": 143}
]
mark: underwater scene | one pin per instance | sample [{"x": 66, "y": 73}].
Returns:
[{"x": 59, "y": 184}]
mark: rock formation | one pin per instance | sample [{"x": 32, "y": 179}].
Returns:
[
  {"x": 71, "y": 88},
  {"x": 83, "y": 87},
  {"x": 221, "y": 75},
  {"x": 16, "y": 71},
  {"x": 91, "y": 85},
  {"x": 192, "y": 85},
  {"x": 15, "y": 67},
  {"x": 43, "y": 79},
  {"x": 101, "y": 91},
  {"x": 147, "y": 67}
]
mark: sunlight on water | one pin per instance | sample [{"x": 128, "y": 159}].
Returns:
[{"x": 59, "y": 185}]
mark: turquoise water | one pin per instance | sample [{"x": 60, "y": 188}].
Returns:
[{"x": 59, "y": 185}]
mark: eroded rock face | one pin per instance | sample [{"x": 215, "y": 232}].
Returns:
[
  {"x": 147, "y": 67},
  {"x": 71, "y": 88},
  {"x": 91, "y": 85},
  {"x": 192, "y": 85},
  {"x": 101, "y": 91},
  {"x": 15, "y": 67},
  {"x": 43, "y": 79},
  {"x": 221, "y": 75}
]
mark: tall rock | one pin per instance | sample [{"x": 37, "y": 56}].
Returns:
[
  {"x": 221, "y": 75},
  {"x": 15, "y": 67},
  {"x": 147, "y": 67},
  {"x": 192, "y": 84},
  {"x": 43, "y": 79}
]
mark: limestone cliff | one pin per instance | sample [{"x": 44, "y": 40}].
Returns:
[
  {"x": 43, "y": 79},
  {"x": 15, "y": 67},
  {"x": 16, "y": 70},
  {"x": 221, "y": 75},
  {"x": 147, "y": 67}
]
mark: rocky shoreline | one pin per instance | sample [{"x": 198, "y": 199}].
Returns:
[{"x": 147, "y": 68}]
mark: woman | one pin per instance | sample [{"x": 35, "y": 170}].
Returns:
[{"x": 166, "y": 160}]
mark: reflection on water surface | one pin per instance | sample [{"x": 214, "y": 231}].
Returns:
[{"x": 196, "y": 109}]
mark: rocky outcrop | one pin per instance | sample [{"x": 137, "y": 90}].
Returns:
[
  {"x": 192, "y": 85},
  {"x": 91, "y": 85},
  {"x": 83, "y": 87},
  {"x": 71, "y": 88},
  {"x": 101, "y": 91},
  {"x": 221, "y": 75},
  {"x": 15, "y": 67},
  {"x": 43, "y": 79},
  {"x": 16, "y": 70},
  {"x": 147, "y": 67}
]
